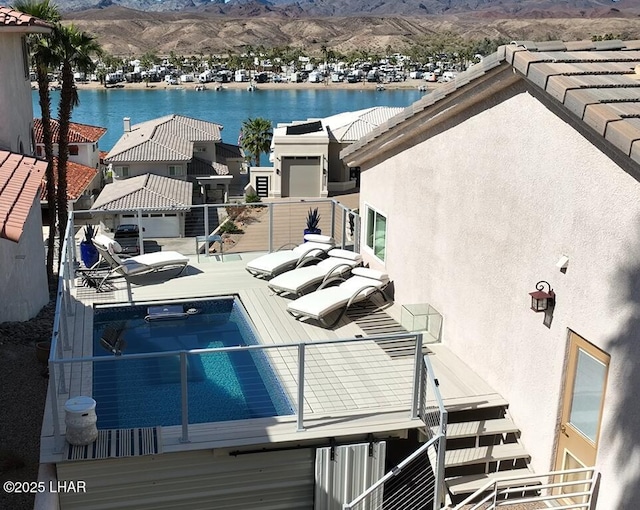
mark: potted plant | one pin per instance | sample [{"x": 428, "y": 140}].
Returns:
[
  {"x": 313, "y": 220},
  {"x": 88, "y": 252}
]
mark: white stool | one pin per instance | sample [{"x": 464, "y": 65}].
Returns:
[{"x": 81, "y": 419}]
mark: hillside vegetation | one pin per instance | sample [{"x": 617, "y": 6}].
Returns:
[{"x": 126, "y": 32}]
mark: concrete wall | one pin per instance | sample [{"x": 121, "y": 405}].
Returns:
[
  {"x": 480, "y": 212},
  {"x": 157, "y": 168},
  {"x": 16, "y": 110},
  {"x": 23, "y": 275}
]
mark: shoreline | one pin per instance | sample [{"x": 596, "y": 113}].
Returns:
[{"x": 409, "y": 84}]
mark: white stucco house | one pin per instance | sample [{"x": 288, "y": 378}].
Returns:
[
  {"x": 306, "y": 154},
  {"x": 181, "y": 148},
  {"x": 23, "y": 275},
  {"x": 526, "y": 169}
]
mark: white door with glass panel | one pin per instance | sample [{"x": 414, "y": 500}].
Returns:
[{"x": 583, "y": 400}]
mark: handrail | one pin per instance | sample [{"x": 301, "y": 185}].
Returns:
[
  {"x": 394, "y": 472},
  {"x": 492, "y": 485}
]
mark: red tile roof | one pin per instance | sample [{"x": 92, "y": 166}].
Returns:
[
  {"x": 78, "y": 178},
  {"x": 20, "y": 178},
  {"x": 78, "y": 133},
  {"x": 12, "y": 18}
]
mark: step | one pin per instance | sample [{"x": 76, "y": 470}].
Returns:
[
  {"x": 484, "y": 454},
  {"x": 479, "y": 428},
  {"x": 469, "y": 484}
]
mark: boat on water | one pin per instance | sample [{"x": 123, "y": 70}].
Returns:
[
  {"x": 380, "y": 87},
  {"x": 251, "y": 87}
]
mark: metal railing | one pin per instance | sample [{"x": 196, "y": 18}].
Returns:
[
  {"x": 418, "y": 481},
  {"x": 571, "y": 488},
  {"x": 269, "y": 225},
  {"x": 128, "y": 385}
]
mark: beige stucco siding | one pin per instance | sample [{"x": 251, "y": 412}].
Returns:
[
  {"x": 480, "y": 212},
  {"x": 23, "y": 275},
  {"x": 16, "y": 110}
]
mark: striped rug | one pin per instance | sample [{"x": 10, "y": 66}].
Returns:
[{"x": 119, "y": 443}]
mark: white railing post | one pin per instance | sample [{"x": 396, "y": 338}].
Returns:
[
  {"x": 439, "y": 492},
  {"x": 270, "y": 227},
  {"x": 205, "y": 211},
  {"x": 185, "y": 396},
  {"x": 301, "y": 349},
  {"x": 140, "y": 231},
  {"x": 417, "y": 377},
  {"x": 53, "y": 402}
]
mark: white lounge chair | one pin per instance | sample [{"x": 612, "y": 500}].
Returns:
[
  {"x": 171, "y": 262},
  {"x": 272, "y": 264},
  {"x": 362, "y": 285},
  {"x": 297, "y": 281}
]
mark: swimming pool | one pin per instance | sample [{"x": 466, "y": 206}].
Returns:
[{"x": 143, "y": 392}]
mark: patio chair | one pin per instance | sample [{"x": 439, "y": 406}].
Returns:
[
  {"x": 272, "y": 264},
  {"x": 361, "y": 286},
  {"x": 298, "y": 281},
  {"x": 168, "y": 262}
]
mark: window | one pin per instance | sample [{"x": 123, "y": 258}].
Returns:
[
  {"x": 73, "y": 150},
  {"x": 175, "y": 170},
  {"x": 39, "y": 151},
  {"x": 122, "y": 171},
  {"x": 376, "y": 232}
]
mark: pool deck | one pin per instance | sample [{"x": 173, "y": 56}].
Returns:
[{"x": 351, "y": 389}]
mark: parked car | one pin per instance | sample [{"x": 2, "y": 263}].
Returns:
[{"x": 128, "y": 237}]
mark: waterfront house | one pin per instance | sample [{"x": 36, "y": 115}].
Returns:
[
  {"x": 306, "y": 155},
  {"x": 517, "y": 181},
  {"x": 181, "y": 148},
  {"x": 22, "y": 256}
]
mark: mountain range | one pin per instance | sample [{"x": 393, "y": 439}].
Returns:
[
  {"x": 187, "y": 27},
  {"x": 322, "y": 8}
]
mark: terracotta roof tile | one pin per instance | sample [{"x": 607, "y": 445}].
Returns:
[
  {"x": 78, "y": 178},
  {"x": 13, "y": 18},
  {"x": 20, "y": 178},
  {"x": 78, "y": 133}
]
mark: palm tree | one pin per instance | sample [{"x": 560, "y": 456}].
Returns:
[
  {"x": 43, "y": 58},
  {"x": 256, "y": 138},
  {"x": 74, "y": 49}
]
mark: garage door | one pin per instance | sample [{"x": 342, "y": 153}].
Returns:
[
  {"x": 161, "y": 225},
  {"x": 301, "y": 176}
]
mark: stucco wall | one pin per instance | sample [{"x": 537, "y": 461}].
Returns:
[
  {"x": 479, "y": 213},
  {"x": 16, "y": 110},
  {"x": 23, "y": 276}
]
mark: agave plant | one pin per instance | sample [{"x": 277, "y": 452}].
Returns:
[
  {"x": 313, "y": 219},
  {"x": 89, "y": 232}
]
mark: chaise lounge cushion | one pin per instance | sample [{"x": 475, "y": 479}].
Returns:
[
  {"x": 338, "y": 263},
  {"x": 277, "y": 262}
]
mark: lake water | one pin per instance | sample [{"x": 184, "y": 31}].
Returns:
[{"x": 228, "y": 107}]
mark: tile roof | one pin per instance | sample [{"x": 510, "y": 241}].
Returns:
[
  {"x": 20, "y": 179},
  {"x": 12, "y": 19},
  {"x": 147, "y": 191},
  {"x": 201, "y": 167},
  {"x": 78, "y": 133},
  {"x": 346, "y": 127},
  {"x": 167, "y": 138},
  {"x": 596, "y": 82},
  {"x": 78, "y": 179}
]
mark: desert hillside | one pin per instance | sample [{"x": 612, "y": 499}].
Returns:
[{"x": 126, "y": 32}]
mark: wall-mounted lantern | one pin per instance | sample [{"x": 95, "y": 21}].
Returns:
[{"x": 542, "y": 300}]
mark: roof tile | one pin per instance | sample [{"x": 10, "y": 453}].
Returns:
[
  {"x": 623, "y": 134},
  {"x": 78, "y": 179},
  {"x": 78, "y": 133},
  {"x": 20, "y": 179},
  {"x": 12, "y": 18}
]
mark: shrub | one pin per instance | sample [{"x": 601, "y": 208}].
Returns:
[
  {"x": 229, "y": 227},
  {"x": 252, "y": 198}
]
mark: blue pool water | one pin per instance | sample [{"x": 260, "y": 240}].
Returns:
[{"x": 146, "y": 392}]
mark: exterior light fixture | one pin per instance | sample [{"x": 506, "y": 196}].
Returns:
[{"x": 542, "y": 300}]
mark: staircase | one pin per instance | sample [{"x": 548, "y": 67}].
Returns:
[{"x": 483, "y": 444}]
